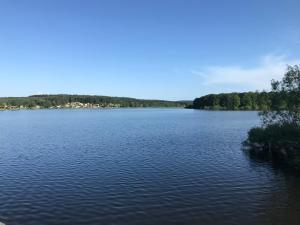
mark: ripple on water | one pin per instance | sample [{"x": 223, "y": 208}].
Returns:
[{"x": 132, "y": 167}]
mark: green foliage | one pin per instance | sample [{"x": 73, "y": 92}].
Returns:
[
  {"x": 285, "y": 101},
  {"x": 234, "y": 101},
  {"x": 246, "y": 102},
  {"x": 275, "y": 133},
  {"x": 280, "y": 131},
  {"x": 257, "y": 135},
  {"x": 48, "y": 101}
]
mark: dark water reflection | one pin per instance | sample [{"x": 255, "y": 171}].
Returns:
[{"x": 137, "y": 166}]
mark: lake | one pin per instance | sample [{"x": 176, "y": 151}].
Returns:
[{"x": 138, "y": 167}]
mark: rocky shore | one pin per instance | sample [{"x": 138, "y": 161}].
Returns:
[
  {"x": 286, "y": 154},
  {"x": 71, "y": 105}
]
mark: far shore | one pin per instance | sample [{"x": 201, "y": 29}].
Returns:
[{"x": 95, "y": 108}]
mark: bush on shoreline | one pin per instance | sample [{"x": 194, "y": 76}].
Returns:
[
  {"x": 278, "y": 139},
  {"x": 278, "y": 142}
]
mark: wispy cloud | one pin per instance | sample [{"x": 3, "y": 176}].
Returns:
[{"x": 237, "y": 78}]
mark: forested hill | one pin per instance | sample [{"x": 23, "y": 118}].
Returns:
[
  {"x": 236, "y": 101},
  {"x": 82, "y": 101}
]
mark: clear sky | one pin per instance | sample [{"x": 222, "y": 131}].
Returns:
[{"x": 153, "y": 49}]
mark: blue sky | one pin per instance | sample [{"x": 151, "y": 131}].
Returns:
[{"x": 154, "y": 49}]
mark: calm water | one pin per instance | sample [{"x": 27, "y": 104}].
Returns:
[{"x": 136, "y": 167}]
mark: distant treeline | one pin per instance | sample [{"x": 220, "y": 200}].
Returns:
[
  {"x": 236, "y": 101},
  {"x": 48, "y": 101}
]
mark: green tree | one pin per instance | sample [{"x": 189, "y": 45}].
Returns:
[
  {"x": 279, "y": 136},
  {"x": 233, "y": 101},
  {"x": 246, "y": 101},
  {"x": 285, "y": 103}
]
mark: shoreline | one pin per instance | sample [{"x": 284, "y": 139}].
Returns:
[{"x": 103, "y": 108}]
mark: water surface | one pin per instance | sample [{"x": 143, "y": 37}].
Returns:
[{"x": 136, "y": 167}]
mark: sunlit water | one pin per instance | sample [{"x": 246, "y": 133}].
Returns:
[{"x": 136, "y": 167}]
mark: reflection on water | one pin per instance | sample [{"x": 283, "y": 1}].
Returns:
[
  {"x": 137, "y": 166},
  {"x": 283, "y": 205}
]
